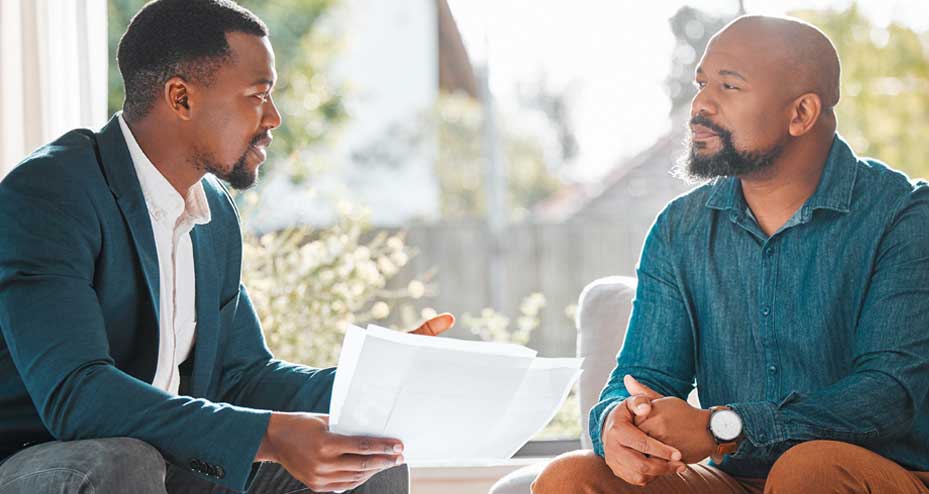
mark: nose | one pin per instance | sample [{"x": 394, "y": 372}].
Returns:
[
  {"x": 272, "y": 117},
  {"x": 702, "y": 104}
]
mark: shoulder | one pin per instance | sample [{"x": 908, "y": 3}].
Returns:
[
  {"x": 873, "y": 176},
  {"x": 52, "y": 197},
  {"x": 64, "y": 175},
  {"x": 879, "y": 187},
  {"x": 68, "y": 165}
]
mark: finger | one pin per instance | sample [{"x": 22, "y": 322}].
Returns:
[
  {"x": 635, "y": 462},
  {"x": 364, "y": 445},
  {"x": 629, "y": 472},
  {"x": 436, "y": 326},
  {"x": 631, "y": 436},
  {"x": 639, "y": 405},
  {"x": 343, "y": 477},
  {"x": 363, "y": 463},
  {"x": 635, "y": 387}
]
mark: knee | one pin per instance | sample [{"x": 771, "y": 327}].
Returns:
[
  {"x": 808, "y": 464},
  {"x": 570, "y": 472},
  {"x": 125, "y": 461},
  {"x": 126, "y": 452},
  {"x": 394, "y": 480},
  {"x": 98, "y": 466}
]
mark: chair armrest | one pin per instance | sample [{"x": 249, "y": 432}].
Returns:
[{"x": 603, "y": 313}]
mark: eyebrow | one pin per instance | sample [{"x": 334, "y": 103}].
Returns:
[
  {"x": 733, "y": 74},
  {"x": 725, "y": 72},
  {"x": 262, "y": 81}
]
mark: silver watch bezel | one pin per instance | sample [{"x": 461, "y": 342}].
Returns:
[{"x": 718, "y": 434}]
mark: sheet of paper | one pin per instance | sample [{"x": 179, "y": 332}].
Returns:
[
  {"x": 535, "y": 404},
  {"x": 448, "y": 400},
  {"x": 348, "y": 356}
]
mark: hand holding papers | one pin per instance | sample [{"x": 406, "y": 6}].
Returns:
[{"x": 447, "y": 400}]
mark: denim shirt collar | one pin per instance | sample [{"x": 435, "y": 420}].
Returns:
[{"x": 834, "y": 190}]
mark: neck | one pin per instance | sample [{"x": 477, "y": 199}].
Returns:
[
  {"x": 162, "y": 148},
  {"x": 777, "y": 193}
]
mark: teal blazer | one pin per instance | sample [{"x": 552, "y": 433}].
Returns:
[{"x": 79, "y": 319}]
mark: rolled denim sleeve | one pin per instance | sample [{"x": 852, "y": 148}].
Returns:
[
  {"x": 890, "y": 378},
  {"x": 658, "y": 346}
]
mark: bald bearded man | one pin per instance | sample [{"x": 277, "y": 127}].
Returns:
[{"x": 792, "y": 288}]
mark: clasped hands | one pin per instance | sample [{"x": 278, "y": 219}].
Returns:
[{"x": 648, "y": 435}]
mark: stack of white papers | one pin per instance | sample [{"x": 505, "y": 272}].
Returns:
[{"x": 449, "y": 401}]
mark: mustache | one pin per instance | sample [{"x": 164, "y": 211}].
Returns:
[
  {"x": 706, "y": 122},
  {"x": 262, "y": 138}
]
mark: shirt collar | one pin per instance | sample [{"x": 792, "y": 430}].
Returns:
[
  {"x": 163, "y": 201},
  {"x": 834, "y": 190}
]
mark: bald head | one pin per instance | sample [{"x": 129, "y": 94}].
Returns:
[{"x": 793, "y": 51}]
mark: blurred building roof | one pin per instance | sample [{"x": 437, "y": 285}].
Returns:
[
  {"x": 634, "y": 190},
  {"x": 455, "y": 71}
]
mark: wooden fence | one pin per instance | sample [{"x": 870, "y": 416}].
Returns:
[{"x": 557, "y": 260}]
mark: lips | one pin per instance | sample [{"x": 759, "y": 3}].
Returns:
[
  {"x": 260, "y": 151},
  {"x": 701, "y": 133},
  {"x": 259, "y": 147}
]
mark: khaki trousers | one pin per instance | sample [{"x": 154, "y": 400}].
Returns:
[{"x": 810, "y": 467}]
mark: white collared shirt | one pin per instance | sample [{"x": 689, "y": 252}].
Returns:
[{"x": 173, "y": 217}]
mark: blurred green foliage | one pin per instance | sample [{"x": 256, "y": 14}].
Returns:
[{"x": 307, "y": 285}]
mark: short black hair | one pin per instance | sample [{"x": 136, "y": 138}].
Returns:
[{"x": 185, "y": 38}]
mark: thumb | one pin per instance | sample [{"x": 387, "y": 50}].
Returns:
[
  {"x": 435, "y": 326},
  {"x": 639, "y": 405},
  {"x": 635, "y": 387}
]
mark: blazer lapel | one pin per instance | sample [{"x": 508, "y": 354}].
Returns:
[
  {"x": 207, "y": 305},
  {"x": 124, "y": 183}
]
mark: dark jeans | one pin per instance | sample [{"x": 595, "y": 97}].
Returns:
[{"x": 118, "y": 465}]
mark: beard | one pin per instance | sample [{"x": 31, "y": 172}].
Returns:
[
  {"x": 727, "y": 162},
  {"x": 239, "y": 177}
]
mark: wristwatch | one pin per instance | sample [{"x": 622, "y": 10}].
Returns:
[{"x": 726, "y": 428}]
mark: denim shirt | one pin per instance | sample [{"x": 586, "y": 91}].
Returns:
[{"x": 820, "y": 331}]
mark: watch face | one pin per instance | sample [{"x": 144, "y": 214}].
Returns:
[{"x": 725, "y": 425}]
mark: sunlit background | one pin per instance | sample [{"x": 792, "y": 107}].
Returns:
[{"x": 484, "y": 157}]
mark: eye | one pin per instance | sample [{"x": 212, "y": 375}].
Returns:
[
  {"x": 730, "y": 87},
  {"x": 699, "y": 84},
  {"x": 263, "y": 97}
]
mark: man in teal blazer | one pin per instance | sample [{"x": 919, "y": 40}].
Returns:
[{"x": 80, "y": 292}]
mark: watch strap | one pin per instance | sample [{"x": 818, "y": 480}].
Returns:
[{"x": 725, "y": 447}]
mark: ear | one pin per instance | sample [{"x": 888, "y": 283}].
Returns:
[
  {"x": 177, "y": 95},
  {"x": 804, "y": 113}
]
